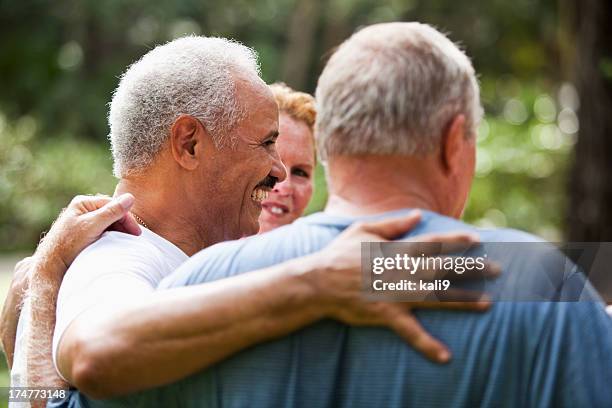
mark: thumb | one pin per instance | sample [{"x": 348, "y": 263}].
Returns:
[
  {"x": 112, "y": 211},
  {"x": 395, "y": 227}
]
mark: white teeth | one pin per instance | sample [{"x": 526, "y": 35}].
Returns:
[
  {"x": 276, "y": 210},
  {"x": 259, "y": 194}
]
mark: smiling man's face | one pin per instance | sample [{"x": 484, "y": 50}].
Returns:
[{"x": 244, "y": 174}]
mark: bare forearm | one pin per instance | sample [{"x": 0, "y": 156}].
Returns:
[
  {"x": 10, "y": 317},
  {"x": 181, "y": 331},
  {"x": 12, "y": 308},
  {"x": 46, "y": 280}
]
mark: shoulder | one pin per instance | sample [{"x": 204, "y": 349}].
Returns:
[
  {"x": 433, "y": 222},
  {"x": 120, "y": 243},
  {"x": 117, "y": 253},
  {"x": 508, "y": 235},
  {"x": 231, "y": 258},
  {"x": 118, "y": 248},
  {"x": 532, "y": 267}
]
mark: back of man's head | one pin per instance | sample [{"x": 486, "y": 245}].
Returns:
[
  {"x": 191, "y": 76},
  {"x": 393, "y": 89}
]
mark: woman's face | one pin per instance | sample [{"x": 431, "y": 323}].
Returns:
[{"x": 288, "y": 199}]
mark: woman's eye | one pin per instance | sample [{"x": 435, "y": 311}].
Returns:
[{"x": 300, "y": 173}]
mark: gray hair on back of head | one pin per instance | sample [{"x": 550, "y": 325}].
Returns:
[
  {"x": 393, "y": 89},
  {"x": 191, "y": 75}
]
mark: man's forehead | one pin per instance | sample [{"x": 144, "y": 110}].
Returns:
[
  {"x": 260, "y": 107},
  {"x": 261, "y": 101},
  {"x": 261, "y": 119},
  {"x": 253, "y": 94}
]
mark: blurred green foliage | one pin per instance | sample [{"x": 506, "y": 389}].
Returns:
[
  {"x": 39, "y": 176},
  {"x": 522, "y": 162},
  {"x": 60, "y": 62}
]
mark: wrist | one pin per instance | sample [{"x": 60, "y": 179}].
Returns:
[{"x": 312, "y": 270}]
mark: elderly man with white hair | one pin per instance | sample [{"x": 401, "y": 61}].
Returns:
[
  {"x": 193, "y": 129},
  {"x": 398, "y": 107}
]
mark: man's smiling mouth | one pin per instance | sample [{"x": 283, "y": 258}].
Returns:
[{"x": 260, "y": 194}]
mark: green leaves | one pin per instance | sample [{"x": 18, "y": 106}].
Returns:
[{"x": 38, "y": 178}]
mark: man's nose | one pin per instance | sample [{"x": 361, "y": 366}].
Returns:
[{"x": 278, "y": 169}]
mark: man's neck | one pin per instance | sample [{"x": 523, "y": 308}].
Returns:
[
  {"x": 154, "y": 209},
  {"x": 371, "y": 185}
]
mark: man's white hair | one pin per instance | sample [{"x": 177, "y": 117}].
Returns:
[
  {"x": 393, "y": 89},
  {"x": 191, "y": 75}
]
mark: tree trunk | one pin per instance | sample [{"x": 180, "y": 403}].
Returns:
[
  {"x": 302, "y": 31},
  {"x": 590, "y": 190}
]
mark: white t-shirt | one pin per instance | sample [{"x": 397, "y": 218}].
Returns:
[{"x": 105, "y": 268}]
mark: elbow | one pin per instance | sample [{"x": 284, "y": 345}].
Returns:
[
  {"x": 91, "y": 369},
  {"x": 87, "y": 378}
]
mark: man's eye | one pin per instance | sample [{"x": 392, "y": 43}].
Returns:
[
  {"x": 300, "y": 173},
  {"x": 268, "y": 143}
]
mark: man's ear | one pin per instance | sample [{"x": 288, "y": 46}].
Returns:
[
  {"x": 453, "y": 145},
  {"x": 187, "y": 141}
]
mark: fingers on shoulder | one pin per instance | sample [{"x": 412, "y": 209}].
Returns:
[
  {"x": 89, "y": 203},
  {"x": 390, "y": 228}
]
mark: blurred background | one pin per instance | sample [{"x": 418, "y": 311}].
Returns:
[{"x": 545, "y": 69}]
